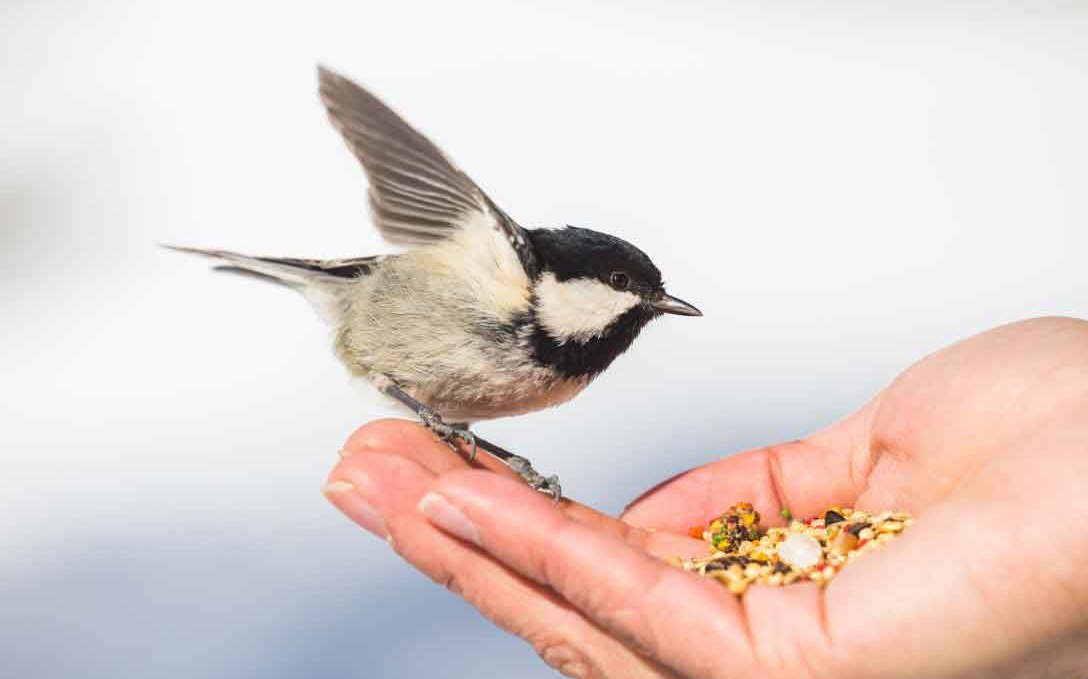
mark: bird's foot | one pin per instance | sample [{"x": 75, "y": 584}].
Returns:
[
  {"x": 448, "y": 432},
  {"x": 549, "y": 485}
]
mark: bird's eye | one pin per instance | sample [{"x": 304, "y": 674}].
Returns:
[{"x": 619, "y": 280}]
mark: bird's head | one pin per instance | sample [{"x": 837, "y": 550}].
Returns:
[{"x": 595, "y": 291}]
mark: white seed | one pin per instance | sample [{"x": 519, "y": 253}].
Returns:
[{"x": 800, "y": 551}]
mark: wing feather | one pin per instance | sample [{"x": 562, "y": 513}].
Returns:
[{"x": 417, "y": 195}]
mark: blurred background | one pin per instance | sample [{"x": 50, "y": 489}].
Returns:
[{"x": 842, "y": 187}]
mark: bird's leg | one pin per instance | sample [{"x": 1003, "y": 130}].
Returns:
[
  {"x": 549, "y": 485},
  {"x": 433, "y": 420},
  {"x": 520, "y": 465}
]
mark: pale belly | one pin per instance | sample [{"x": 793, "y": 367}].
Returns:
[{"x": 493, "y": 396}]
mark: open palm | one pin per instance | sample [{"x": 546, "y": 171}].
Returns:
[{"x": 985, "y": 442}]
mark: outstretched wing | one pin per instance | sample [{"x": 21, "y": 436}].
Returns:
[{"x": 416, "y": 194}]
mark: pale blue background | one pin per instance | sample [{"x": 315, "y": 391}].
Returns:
[{"x": 841, "y": 189}]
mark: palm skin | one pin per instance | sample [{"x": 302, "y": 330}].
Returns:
[{"x": 985, "y": 442}]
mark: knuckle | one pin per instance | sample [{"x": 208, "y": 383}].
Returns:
[
  {"x": 451, "y": 582},
  {"x": 564, "y": 657},
  {"x": 438, "y": 571}
]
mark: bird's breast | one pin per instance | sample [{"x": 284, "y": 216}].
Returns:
[{"x": 499, "y": 393}]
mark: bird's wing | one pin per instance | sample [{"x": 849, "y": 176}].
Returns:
[{"x": 417, "y": 195}]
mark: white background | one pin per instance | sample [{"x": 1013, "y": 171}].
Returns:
[{"x": 842, "y": 189}]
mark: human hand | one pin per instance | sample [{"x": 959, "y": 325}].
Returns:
[{"x": 985, "y": 442}]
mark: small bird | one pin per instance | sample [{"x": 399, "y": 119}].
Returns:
[{"x": 479, "y": 318}]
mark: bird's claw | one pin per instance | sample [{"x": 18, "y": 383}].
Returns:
[
  {"x": 447, "y": 432},
  {"x": 469, "y": 438},
  {"x": 549, "y": 485}
]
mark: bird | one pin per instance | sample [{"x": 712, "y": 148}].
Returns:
[{"x": 478, "y": 317}]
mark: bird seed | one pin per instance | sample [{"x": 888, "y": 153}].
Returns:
[{"x": 808, "y": 550}]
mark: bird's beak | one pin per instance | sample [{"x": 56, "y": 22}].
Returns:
[{"x": 667, "y": 304}]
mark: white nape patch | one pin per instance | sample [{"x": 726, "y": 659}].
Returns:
[{"x": 579, "y": 309}]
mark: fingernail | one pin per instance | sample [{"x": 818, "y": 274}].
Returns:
[
  {"x": 342, "y": 453},
  {"x": 343, "y": 495},
  {"x": 441, "y": 513}
]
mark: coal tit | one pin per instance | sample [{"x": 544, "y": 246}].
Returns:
[{"x": 480, "y": 318}]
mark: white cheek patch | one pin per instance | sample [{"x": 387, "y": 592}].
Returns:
[{"x": 579, "y": 309}]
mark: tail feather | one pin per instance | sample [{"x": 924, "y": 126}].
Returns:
[
  {"x": 287, "y": 270},
  {"x": 318, "y": 279}
]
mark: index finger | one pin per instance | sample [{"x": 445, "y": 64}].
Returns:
[{"x": 414, "y": 442}]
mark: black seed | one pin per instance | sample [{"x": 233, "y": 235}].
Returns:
[
  {"x": 780, "y": 568},
  {"x": 856, "y": 528},
  {"x": 832, "y": 517},
  {"x": 715, "y": 566}
]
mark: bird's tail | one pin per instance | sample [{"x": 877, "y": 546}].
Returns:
[{"x": 320, "y": 280}]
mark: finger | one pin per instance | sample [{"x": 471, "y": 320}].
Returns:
[
  {"x": 668, "y": 614},
  {"x": 391, "y": 486},
  {"x": 805, "y": 477},
  {"x": 414, "y": 442}
]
